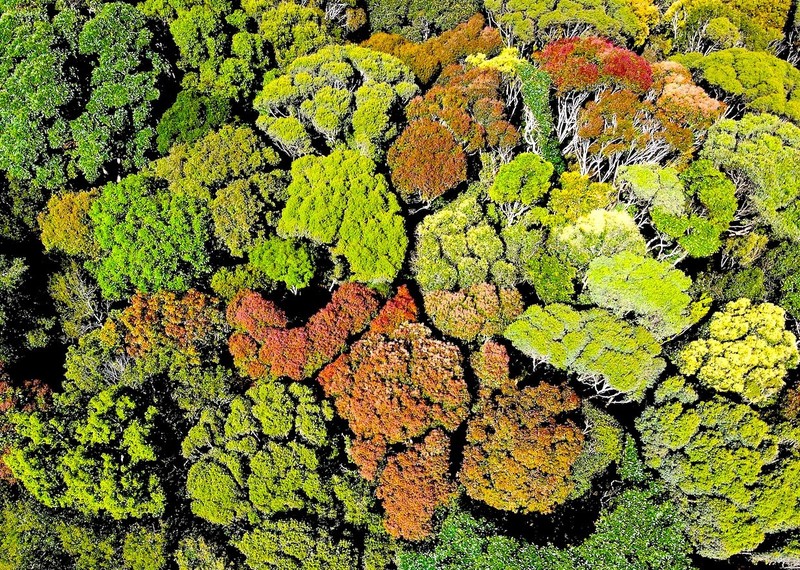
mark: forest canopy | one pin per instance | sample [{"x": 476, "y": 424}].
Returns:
[{"x": 399, "y": 285}]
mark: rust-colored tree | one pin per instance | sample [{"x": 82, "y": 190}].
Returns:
[
  {"x": 262, "y": 344},
  {"x": 479, "y": 311},
  {"x": 429, "y": 143},
  {"x": 396, "y": 384},
  {"x": 521, "y": 445},
  {"x": 624, "y": 127},
  {"x": 470, "y": 103},
  {"x": 426, "y": 59},
  {"x": 616, "y": 109},
  {"x": 413, "y": 484}
]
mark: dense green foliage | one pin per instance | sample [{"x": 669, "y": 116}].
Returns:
[{"x": 399, "y": 285}]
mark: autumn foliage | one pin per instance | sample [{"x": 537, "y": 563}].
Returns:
[
  {"x": 263, "y": 344},
  {"x": 585, "y": 64},
  {"x": 426, "y": 59},
  {"x": 413, "y": 484},
  {"x": 429, "y": 143},
  {"x": 470, "y": 103},
  {"x": 521, "y": 446},
  {"x": 187, "y": 323},
  {"x": 398, "y": 383},
  {"x": 482, "y": 310}
]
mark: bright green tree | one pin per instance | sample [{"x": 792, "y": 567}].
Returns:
[
  {"x": 150, "y": 238},
  {"x": 418, "y": 20},
  {"x": 763, "y": 82},
  {"x": 459, "y": 246},
  {"x": 342, "y": 202},
  {"x": 748, "y": 352},
  {"x": 618, "y": 359},
  {"x": 535, "y": 22},
  {"x": 261, "y": 458},
  {"x": 652, "y": 290},
  {"x": 97, "y": 455},
  {"x": 520, "y": 183},
  {"x": 692, "y": 209},
  {"x": 285, "y": 261},
  {"x": 116, "y": 129}
]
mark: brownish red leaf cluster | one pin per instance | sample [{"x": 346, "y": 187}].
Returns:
[
  {"x": 396, "y": 384},
  {"x": 263, "y": 344},
  {"x": 482, "y": 310},
  {"x": 426, "y": 59},
  {"x": 164, "y": 320}
]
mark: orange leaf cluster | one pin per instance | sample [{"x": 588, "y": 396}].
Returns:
[
  {"x": 413, "y": 484},
  {"x": 430, "y": 143},
  {"x": 263, "y": 345},
  {"x": 469, "y": 102},
  {"x": 519, "y": 452},
  {"x": 164, "y": 320},
  {"x": 398, "y": 383},
  {"x": 427, "y": 59}
]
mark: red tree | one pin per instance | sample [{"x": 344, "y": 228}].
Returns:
[
  {"x": 262, "y": 344},
  {"x": 592, "y": 63}
]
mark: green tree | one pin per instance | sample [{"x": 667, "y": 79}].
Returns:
[
  {"x": 706, "y": 25},
  {"x": 600, "y": 233},
  {"x": 342, "y": 202},
  {"x": 418, "y": 20},
  {"x": 191, "y": 116},
  {"x": 748, "y": 352},
  {"x": 652, "y": 290},
  {"x": 639, "y": 530},
  {"x": 96, "y": 456},
  {"x": 285, "y": 261},
  {"x": 458, "y": 247},
  {"x": 618, "y": 359},
  {"x": 24, "y": 322},
  {"x": 692, "y": 209},
  {"x": 295, "y": 545},
  {"x": 732, "y": 472},
  {"x": 260, "y": 459},
  {"x": 535, "y": 22},
  {"x": 37, "y": 86},
  {"x": 309, "y": 101},
  {"x": 150, "y": 238},
  {"x": 520, "y": 183},
  {"x": 759, "y": 81},
  {"x": 28, "y": 538},
  {"x": 117, "y": 124},
  {"x": 761, "y": 152}
]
